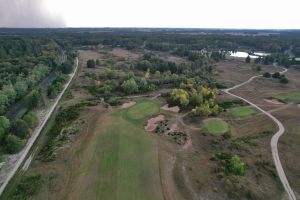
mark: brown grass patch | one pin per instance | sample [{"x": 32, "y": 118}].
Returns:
[{"x": 124, "y": 53}]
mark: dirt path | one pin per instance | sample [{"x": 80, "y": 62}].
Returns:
[{"x": 274, "y": 140}]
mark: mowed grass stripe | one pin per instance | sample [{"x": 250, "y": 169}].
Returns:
[
  {"x": 138, "y": 166},
  {"x": 124, "y": 165}
]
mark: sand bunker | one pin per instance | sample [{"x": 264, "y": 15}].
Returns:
[
  {"x": 128, "y": 104},
  {"x": 175, "y": 109},
  {"x": 274, "y": 101},
  {"x": 153, "y": 122}
]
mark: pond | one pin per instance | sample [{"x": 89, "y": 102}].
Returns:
[{"x": 242, "y": 54}]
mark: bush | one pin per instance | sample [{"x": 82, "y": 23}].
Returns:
[
  {"x": 267, "y": 75},
  {"x": 13, "y": 144},
  {"x": 31, "y": 119},
  {"x": 114, "y": 102},
  {"x": 66, "y": 67},
  {"x": 20, "y": 128},
  {"x": 236, "y": 166},
  {"x": 69, "y": 114},
  {"x": 28, "y": 186},
  {"x": 276, "y": 75},
  {"x": 90, "y": 63},
  {"x": 231, "y": 164},
  {"x": 284, "y": 80},
  {"x": 4, "y": 125},
  {"x": 35, "y": 99},
  {"x": 130, "y": 86}
]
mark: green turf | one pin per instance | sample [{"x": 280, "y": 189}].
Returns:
[
  {"x": 241, "y": 112},
  {"x": 291, "y": 97},
  {"x": 216, "y": 126},
  {"x": 142, "y": 109},
  {"x": 125, "y": 159}
]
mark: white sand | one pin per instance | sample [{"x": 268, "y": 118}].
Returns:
[
  {"x": 128, "y": 104},
  {"x": 175, "y": 109},
  {"x": 153, "y": 122}
]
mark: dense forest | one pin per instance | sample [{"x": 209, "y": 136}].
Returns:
[{"x": 24, "y": 63}]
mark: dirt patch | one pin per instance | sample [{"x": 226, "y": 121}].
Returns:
[
  {"x": 128, "y": 104},
  {"x": 274, "y": 101},
  {"x": 124, "y": 53},
  {"x": 175, "y": 109},
  {"x": 89, "y": 54},
  {"x": 153, "y": 122}
]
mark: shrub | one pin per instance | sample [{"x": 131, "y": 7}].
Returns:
[
  {"x": 267, "y": 75},
  {"x": 231, "y": 164},
  {"x": 31, "y": 119},
  {"x": 130, "y": 86},
  {"x": 20, "y": 128},
  {"x": 4, "y": 125},
  {"x": 276, "y": 75},
  {"x": 69, "y": 114},
  {"x": 28, "y": 186},
  {"x": 35, "y": 99},
  {"x": 236, "y": 166},
  {"x": 13, "y": 144},
  {"x": 66, "y": 67},
  {"x": 284, "y": 80},
  {"x": 90, "y": 63}
]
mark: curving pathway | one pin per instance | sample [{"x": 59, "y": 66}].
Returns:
[
  {"x": 274, "y": 140},
  {"x": 35, "y": 135}
]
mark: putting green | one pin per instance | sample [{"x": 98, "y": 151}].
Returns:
[
  {"x": 216, "y": 126},
  {"x": 241, "y": 112},
  {"x": 291, "y": 97},
  {"x": 142, "y": 109}
]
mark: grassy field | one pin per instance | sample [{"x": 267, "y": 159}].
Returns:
[
  {"x": 216, "y": 126},
  {"x": 241, "y": 112},
  {"x": 291, "y": 97},
  {"x": 122, "y": 161}
]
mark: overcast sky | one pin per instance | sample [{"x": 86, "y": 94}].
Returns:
[{"x": 262, "y": 14}]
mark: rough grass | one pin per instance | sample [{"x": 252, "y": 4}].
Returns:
[
  {"x": 122, "y": 161},
  {"x": 216, "y": 126},
  {"x": 291, "y": 97},
  {"x": 241, "y": 112}
]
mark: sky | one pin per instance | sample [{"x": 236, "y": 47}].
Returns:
[{"x": 240, "y": 14}]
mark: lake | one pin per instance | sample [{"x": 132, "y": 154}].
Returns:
[{"x": 242, "y": 54}]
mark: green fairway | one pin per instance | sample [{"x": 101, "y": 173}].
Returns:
[
  {"x": 142, "y": 109},
  {"x": 241, "y": 112},
  {"x": 291, "y": 97},
  {"x": 123, "y": 161},
  {"x": 216, "y": 126}
]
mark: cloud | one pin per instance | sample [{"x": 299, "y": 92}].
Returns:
[{"x": 27, "y": 13}]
